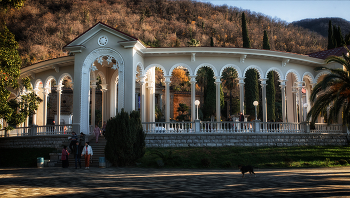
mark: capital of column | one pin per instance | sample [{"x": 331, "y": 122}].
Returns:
[
  {"x": 217, "y": 79},
  {"x": 59, "y": 88},
  {"x": 241, "y": 80},
  {"x": 104, "y": 87},
  {"x": 36, "y": 90},
  {"x": 46, "y": 91},
  {"x": 193, "y": 79},
  {"x": 282, "y": 82},
  {"x": 263, "y": 81},
  {"x": 167, "y": 80},
  {"x": 93, "y": 86},
  {"x": 300, "y": 84}
]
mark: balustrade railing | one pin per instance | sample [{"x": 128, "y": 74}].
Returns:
[
  {"x": 280, "y": 127},
  {"x": 189, "y": 127},
  {"x": 38, "y": 130},
  {"x": 324, "y": 128},
  {"x": 168, "y": 127}
]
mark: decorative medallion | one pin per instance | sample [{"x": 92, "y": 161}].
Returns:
[{"x": 103, "y": 40}]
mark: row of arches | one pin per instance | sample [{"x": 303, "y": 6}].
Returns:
[{"x": 241, "y": 74}]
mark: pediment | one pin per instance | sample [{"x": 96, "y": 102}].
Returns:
[{"x": 80, "y": 42}]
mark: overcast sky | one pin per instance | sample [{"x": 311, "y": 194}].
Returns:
[{"x": 292, "y": 10}]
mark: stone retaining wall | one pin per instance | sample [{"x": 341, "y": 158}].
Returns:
[
  {"x": 34, "y": 142},
  {"x": 218, "y": 140},
  {"x": 196, "y": 140}
]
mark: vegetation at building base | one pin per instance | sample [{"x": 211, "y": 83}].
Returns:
[
  {"x": 332, "y": 94},
  {"x": 259, "y": 157},
  {"x": 14, "y": 109},
  {"x": 23, "y": 157},
  {"x": 125, "y": 139}
]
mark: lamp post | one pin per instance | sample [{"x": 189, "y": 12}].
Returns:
[
  {"x": 197, "y": 104},
  {"x": 256, "y": 103}
]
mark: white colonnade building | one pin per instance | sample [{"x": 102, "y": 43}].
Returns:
[{"x": 127, "y": 72}]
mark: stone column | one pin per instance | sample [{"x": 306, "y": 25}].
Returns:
[
  {"x": 59, "y": 92},
  {"x": 93, "y": 102},
  {"x": 104, "y": 102},
  {"x": 218, "y": 83},
  {"x": 142, "y": 98},
  {"x": 241, "y": 94},
  {"x": 167, "y": 97},
  {"x": 46, "y": 93},
  {"x": 263, "y": 101},
  {"x": 299, "y": 88},
  {"x": 160, "y": 102},
  {"x": 34, "y": 115},
  {"x": 136, "y": 101},
  {"x": 283, "y": 93},
  {"x": 193, "y": 98}
]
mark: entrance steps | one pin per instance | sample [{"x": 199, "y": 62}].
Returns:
[{"x": 98, "y": 150}]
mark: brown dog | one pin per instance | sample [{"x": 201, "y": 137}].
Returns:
[{"x": 245, "y": 169}]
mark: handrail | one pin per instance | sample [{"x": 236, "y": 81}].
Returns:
[{"x": 205, "y": 127}]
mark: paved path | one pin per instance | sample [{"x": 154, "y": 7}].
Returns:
[{"x": 137, "y": 182}]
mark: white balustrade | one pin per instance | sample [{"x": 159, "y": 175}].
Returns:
[
  {"x": 186, "y": 127},
  {"x": 325, "y": 128}
]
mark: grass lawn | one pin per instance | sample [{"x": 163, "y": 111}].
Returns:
[{"x": 259, "y": 157}]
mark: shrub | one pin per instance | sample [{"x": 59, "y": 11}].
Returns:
[
  {"x": 205, "y": 162},
  {"x": 125, "y": 139}
]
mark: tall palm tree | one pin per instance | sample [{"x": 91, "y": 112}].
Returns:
[{"x": 333, "y": 92}]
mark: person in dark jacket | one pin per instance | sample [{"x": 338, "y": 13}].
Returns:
[{"x": 77, "y": 154}]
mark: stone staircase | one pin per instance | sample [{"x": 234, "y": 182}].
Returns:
[{"x": 98, "y": 150}]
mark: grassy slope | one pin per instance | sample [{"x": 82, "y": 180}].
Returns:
[{"x": 262, "y": 157}]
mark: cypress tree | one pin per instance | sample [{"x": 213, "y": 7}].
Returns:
[
  {"x": 251, "y": 92},
  {"x": 209, "y": 105},
  {"x": 330, "y": 36},
  {"x": 335, "y": 35},
  {"x": 211, "y": 42},
  {"x": 266, "y": 43},
  {"x": 270, "y": 97},
  {"x": 246, "y": 41},
  {"x": 341, "y": 38}
]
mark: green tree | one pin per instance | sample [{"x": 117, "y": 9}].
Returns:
[
  {"x": 208, "y": 107},
  {"x": 251, "y": 92},
  {"x": 270, "y": 96},
  {"x": 246, "y": 41},
  {"x": 330, "y": 36},
  {"x": 193, "y": 43},
  {"x": 333, "y": 92},
  {"x": 183, "y": 108},
  {"x": 125, "y": 139},
  {"x": 211, "y": 42},
  {"x": 266, "y": 43},
  {"x": 229, "y": 82},
  {"x": 14, "y": 111}
]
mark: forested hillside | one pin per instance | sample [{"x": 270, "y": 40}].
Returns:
[
  {"x": 43, "y": 27},
  {"x": 320, "y": 25}
]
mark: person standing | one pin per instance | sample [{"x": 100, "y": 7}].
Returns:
[
  {"x": 97, "y": 131},
  {"x": 73, "y": 139},
  {"x": 77, "y": 154},
  {"x": 82, "y": 139},
  {"x": 104, "y": 128},
  {"x": 64, "y": 157},
  {"x": 87, "y": 151}
]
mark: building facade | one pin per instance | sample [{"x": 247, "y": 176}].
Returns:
[{"x": 126, "y": 69}]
